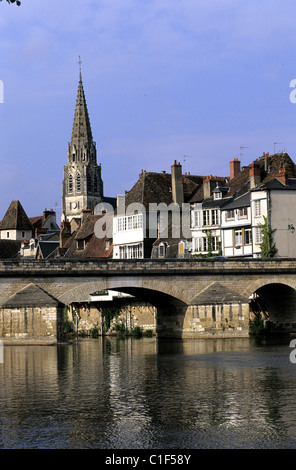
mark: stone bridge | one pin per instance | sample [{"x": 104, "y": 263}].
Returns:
[{"x": 191, "y": 296}]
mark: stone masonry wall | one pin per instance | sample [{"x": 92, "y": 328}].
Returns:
[{"x": 31, "y": 322}]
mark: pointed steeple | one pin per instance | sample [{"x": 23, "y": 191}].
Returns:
[
  {"x": 82, "y": 184},
  {"x": 81, "y": 132}
]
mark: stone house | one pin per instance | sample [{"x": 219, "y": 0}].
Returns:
[
  {"x": 157, "y": 204},
  {"x": 84, "y": 243},
  {"x": 219, "y": 308},
  {"x": 31, "y": 312},
  {"x": 16, "y": 224}
]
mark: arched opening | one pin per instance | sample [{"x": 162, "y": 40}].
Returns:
[
  {"x": 276, "y": 304},
  {"x": 133, "y": 307}
]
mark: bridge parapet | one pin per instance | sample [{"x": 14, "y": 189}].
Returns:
[{"x": 60, "y": 267}]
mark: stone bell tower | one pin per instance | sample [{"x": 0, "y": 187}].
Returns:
[{"x": 82, "y": 184}]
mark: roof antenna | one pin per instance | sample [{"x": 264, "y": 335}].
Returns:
[
  {"x": 274, "y": 144},
  {"x": 184, "y": 160},
  {"x": 240, "y": 153}
]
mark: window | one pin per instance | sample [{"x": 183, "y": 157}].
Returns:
[
  {"x": 7, "y": 234},
  {"x": 258, "y": 236},
  {"x": 89, "y": 185},
  {"x": 238, "y": 238},
  {"x": 197, "y": 218},
  {"x": 80, "y": 245},
  {"x": 78, "y": 182},
  {"x": 205, "y": 244},
  {"x": 206, "y": 217},
  {"x": 215, "y": 243},
  {"x": 218, "y": 195},
  {"x": 243, "y": 213},
  {"x": 23, "y": 234},
  {"x": 70, "y": 183},
  {"x": 248, "y": 236},
  {"x": 131, "y": 222},
  {"x": 197, "y": 244},
  {"x": 96, "y": 183},
  {"x": 215, "y": 217},
  {"x": 130, "y": 251},
  {"x": 257, "y": 208},
  {"x": 161, "y": 252},
  {"x": 230, "y": 215}
]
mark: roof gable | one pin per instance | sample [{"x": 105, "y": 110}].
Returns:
[
  {"x": 16, "y": 218},
  {"x": 30, "y": 296},
  {"x": 217, "y": 294}
]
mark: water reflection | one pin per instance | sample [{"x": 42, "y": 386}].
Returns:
[{"x": 148, "y": 393}]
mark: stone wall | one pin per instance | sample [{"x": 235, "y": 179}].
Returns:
[{"x": 29, "y": 322}]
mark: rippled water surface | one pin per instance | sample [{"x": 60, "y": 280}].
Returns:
[{"x": 110, "y": 393}]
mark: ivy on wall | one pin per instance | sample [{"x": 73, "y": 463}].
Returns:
[{"x": 267, "y": 246}]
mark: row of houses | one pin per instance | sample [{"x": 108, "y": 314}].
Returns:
[
  {"x": 172, "y": 215},
  {"x": 222, "y": 216}
]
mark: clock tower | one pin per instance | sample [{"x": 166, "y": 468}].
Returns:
[{"x": 82, "y": 184}]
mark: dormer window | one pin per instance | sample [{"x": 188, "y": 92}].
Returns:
[
  {"x": 80, "y": 244},
  {"x": 218, "y": 195}
]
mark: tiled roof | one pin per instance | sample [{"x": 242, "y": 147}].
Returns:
[
  {"x": 95, "y": 247},
  {"x": 217, "y": 294},
  {"x": 30, "y": 296},
  {"x": 16, "y": 218},
  {"x": 157, "y": 187},
  {"x": 9, "y": 248}
]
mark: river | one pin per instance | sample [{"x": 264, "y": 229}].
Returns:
[{"x": 149, "y": 393}]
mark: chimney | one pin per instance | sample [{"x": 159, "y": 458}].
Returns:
[
  {"x": 254, "y": 174},
  {"x": 283, "y": 176},
  {"x": 65, "y": 232},
  {"x": 209, "y": 185},
  {"x": 234, "y": 168},
  {"x": 84, "y": 213},
  {"x": 266, "y": 161},
  {"x": 177, "y": 183}
]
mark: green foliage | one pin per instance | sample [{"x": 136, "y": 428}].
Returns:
[
  {"x": 210, "y": 253},
  {"x": 137, "y": 331},
  {"x": 68, "y": 325},
  {"x": 13, "y": 1},
  {"x": 120, "y": 328},
  {"x": 108, "y": 314},
  {"x": 268, "y": 248},
  {"x": 148, "y": 333},
  {"x": 257, "y": 325}
]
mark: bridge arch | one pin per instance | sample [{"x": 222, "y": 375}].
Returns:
[
  {"x": 152, "y": 291},
  {"x": 277, "y": 301}
]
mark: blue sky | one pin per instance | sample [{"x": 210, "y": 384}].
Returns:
[{"x": 163, "y": 79}]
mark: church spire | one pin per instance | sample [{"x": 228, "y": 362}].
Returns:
[{"x": 81, "y": 131}]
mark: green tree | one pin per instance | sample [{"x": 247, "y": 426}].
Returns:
[
  {"x": 13, "y": 1},
  {"x": 268, "y": 248}
]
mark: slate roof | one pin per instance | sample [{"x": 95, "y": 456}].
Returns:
[
  {"x": 276, "y": 184},
  {"x": 218, "y": 294},
  {"x": 240, "y": 184},
  {"x": 241, "y": 201},
  {"x": 47, "y": 248},
  {"x": 16, "y": 218},
  {"x": 30, "y": 296},
  {"x": 9, "y": 248},
  {"x": 157, "y": 187}
]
